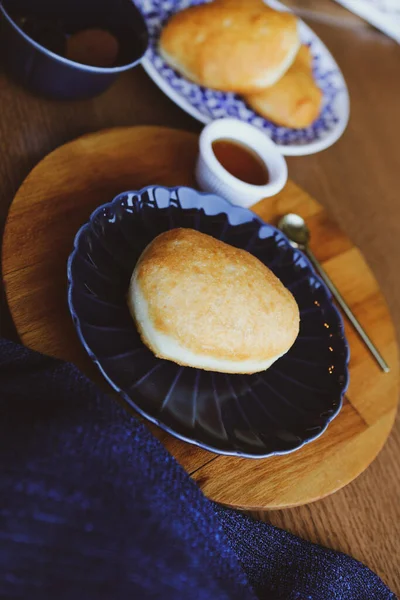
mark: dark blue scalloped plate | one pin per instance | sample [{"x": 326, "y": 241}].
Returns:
[{"x": 255, "y": 416}]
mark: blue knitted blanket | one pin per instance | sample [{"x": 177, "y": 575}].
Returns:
[{"x": 92, "y": 506}]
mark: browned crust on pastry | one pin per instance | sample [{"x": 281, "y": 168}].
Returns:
[
  {"x": 231, "y": 45},
  {"x": 213, "y": 299},
  {"x": 295, "y": 101}
]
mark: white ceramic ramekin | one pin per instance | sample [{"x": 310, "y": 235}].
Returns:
[{"x": 212, "y": 177}]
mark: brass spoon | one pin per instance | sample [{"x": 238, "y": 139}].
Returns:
[{"x": 295, "y": 228}]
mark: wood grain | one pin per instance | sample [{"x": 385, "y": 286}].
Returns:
[
  {"x": 356, "y": 179},
  {"x": 59, "y": 195}
]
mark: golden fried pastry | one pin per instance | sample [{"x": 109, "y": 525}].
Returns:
[
  {"x": 295, "y": 101},
  {"x": 202, "y": 303},
  {"x": 231, "y": 45}
]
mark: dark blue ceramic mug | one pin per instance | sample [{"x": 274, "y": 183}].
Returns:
[{"x": 33, "y": 33}]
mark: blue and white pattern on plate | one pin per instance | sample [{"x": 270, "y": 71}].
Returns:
[{"x": 206, "y": 104}]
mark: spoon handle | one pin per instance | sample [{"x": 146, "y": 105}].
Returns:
[{"x": 356, "y": 324}]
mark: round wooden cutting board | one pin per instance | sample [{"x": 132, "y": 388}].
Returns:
[{"x": 57, "y": 198}]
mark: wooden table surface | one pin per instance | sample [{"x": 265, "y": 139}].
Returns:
[{"x": 357, "y": 180}]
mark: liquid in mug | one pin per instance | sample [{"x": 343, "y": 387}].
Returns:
[{"x": 92, "y": 46}]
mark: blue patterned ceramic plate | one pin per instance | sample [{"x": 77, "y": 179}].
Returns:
[
  {"x": 205, "y": 104},
  {"x": 273, "y": 412}
]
